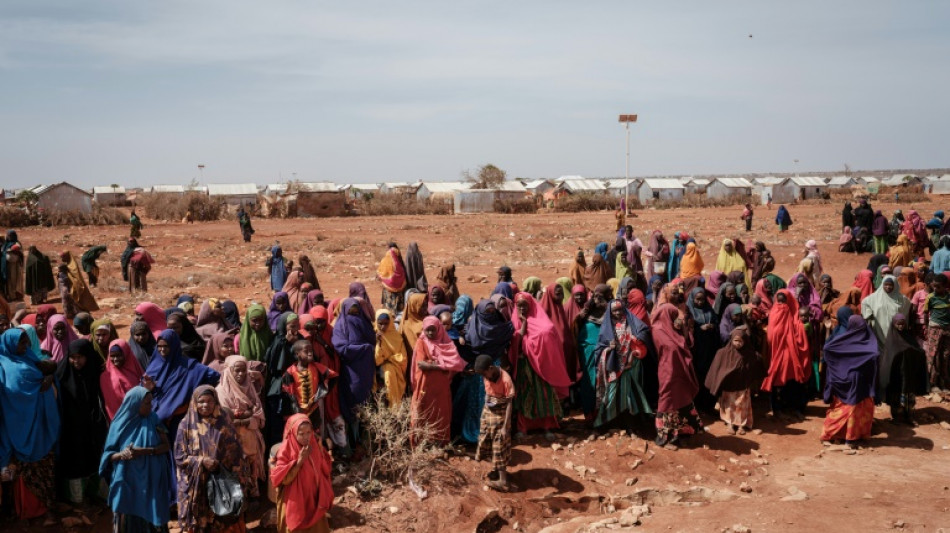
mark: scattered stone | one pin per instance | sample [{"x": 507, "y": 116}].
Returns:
[
  {"x": 739, "y": 528},
  {"x": 393, "y": 509},
  {"x": 899, "y": 524},
  {"x": 602, "y": 437},
  {"x": 569, "y": 465},
  {"x": 801, "y": 474},
  {"x": 698, "y": 477},
  {"x": 635, "y": 464},
  {"x": 795, "y": 495},
  {"x": 756, "y": 431},
  {"x": 733, "y": 460},
  {"x": 745, "y": 487},
  {"x": 761, "y": 461},
  {"x": 555, "y": 446},
  {"x": 631, "y": 481},
  {"x": 945, "y": 425},
  {"x": 632, "y": 515},
  {"x": 722, "y": 468},
  {"x": 867, "y": 496}
]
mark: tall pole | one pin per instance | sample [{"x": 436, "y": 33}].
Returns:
[{"x": 626, "y": 120}]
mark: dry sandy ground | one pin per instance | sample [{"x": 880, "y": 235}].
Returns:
[{"x": 901, "y": 477}]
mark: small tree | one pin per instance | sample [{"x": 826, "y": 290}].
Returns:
[
  {"x": 27, "y": 198},
  {"x": 488, "y": 177},
  {"x": 115, "y": 197}
]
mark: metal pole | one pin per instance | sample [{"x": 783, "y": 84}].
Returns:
[{"x": 626, "y": 174}]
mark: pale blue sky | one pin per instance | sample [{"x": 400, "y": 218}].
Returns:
[{"x": 141, "y": 92}]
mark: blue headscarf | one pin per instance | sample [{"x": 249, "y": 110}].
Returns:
[
  {"x": 851, "y": 362},
  {"x": 139, "y": 487},
  {"x": 176, "y": 376},
  {"x": 35, "y": 347},
  {"x": 278, "y": 272},
  {"x": 488, "y": 333},
  {"x": 782, "y": 217},
  {"x": 602, "y": 249},
  {"x": 355, "y": 342},
  {"x": 608, "y": 333},
  {"x": 29, "y": 426},
  {"x": 463, "y": 310},
  {"x": 844, "y": 313},
  {"x": 503, "y": 288}
]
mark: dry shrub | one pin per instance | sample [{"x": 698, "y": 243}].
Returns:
[
  {"x": 389, "y": 432},
  {"x": 113, "y": 284},
  {"x": 170, "y": 206},
  {"x": 701, "y": 200},
  {"x": 198, "y": 279},
  {"x": 523, "y": 205},
  {"x": 591, "y": 202},
  {"x": 389, "y": 205},
  {"x": 16, "y": 217},
  {"x": 99, "y": 216}
]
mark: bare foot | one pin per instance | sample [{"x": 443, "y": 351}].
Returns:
[{"x": 498, "y": 485}]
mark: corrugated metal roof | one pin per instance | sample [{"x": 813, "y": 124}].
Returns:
[
  {"x": 664, "y": 183},
  {"x": 534, "y": 184},
  {"x": 232, "y": 189},
  {"x": 40, "y": 189},
  {"x": 734, "y": 183},
  {"x": 809, "y": 181},
  {"x": 897, "y": 179},
  {"x": 168, "y": 188},
  {"x": 512, "y": 186},
  {"x": 769, "y": 180},
  {"x": 839, "y": 181},
  {"x": 367, "y": 187},
  {"x": 869, "y": 179},
  {"x": 105, "y": 189},
  {"x": 583, "y": 185},
  {"x": 571, "y": 177},
  {"x": 702, "y": 182},
  {"x": 278, "y": 188},
  {"x": 446, "y": 186},
  {"x": 618, "y": 183},
  {"x": 396, "y": 184},
  {"x": 318, "y": 186}
]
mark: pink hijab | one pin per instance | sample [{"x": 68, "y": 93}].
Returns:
[
  {"x": 541, "y": 344},
  {"x": 235, "y": 396},
  {"x": 154, "y": 316},
  {"x": 115, "y": 381},
  {"x": 441, "y": 349},
  {"x": 56, "y": 348}
]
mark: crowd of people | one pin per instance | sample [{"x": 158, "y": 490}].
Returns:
[{"x": 650, "y": 339}]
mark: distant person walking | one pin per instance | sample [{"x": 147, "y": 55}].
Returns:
[
  {"x": 747, "y": 216},
  {"x": 89, "y": 265},
  {"x": 879, "y": 229},
  {"x": 768, "y": 202},
  {"x": 244, "y": 221},
  {"x": 136, "y": 224},
  {"x": 783, "y": 218}
]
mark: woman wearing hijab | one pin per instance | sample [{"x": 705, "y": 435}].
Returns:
[
  {"x": 392, "y": 274},
  {"x": 221, "y": 346},
  {"x": 847, "y": 216},
  {"x": 915, "y": 230},
  {"x": 550, "y": 304},
  {"x": 902, "y": 253},
  {"x": 902, "y": 375},
  {"x": 391, "y": 357},
  {"x": 879, "y": 232},
  {"x": 789, "y": 364},
  {"x": 735, "y": 371},
  {"x": 636, "y": 303},
  {"x": 812, "y": 254},
  {"x": 122, "y": 373},
  {"x": 231, "y": 314},
  {"x": 134, "y": 464},
  {"x": 676, "y": 415},
  {"x": 841, "y": 321},
  {"x": 437, "y": 297},
  {"x": 531, "y": 285},
  {"x": 279, "y": 305},
  {"x": 846, "y": 241},
  {"x": 58, "y": 337},
  {"x": 152, "y": 315},
  {"x": 416, "y": 312},
  {"x": 434, "y": 361},
  {"x": 28, "y": 443},
  {"x": 89, "y": 265},
  {"x": 782, "y": 218},
  {"x": 39, "y": 276},
  {"x": 595, "y": 274},
  {"x": 714, "y": 282},
  {"x": 82, "y": 298},
  {"x": 940, "y": 261},
  {"x": 206, "y": 442},
  {"x": 142, "y": 343},
  {"x": 11, "y": 267},
  {"x": 301, "y": 474},
  {"x": 705, "y": 325},
  {"x": 309, "y": 274},
  {"x": 291, "y": 288},
  {"x": 358, "y": 291},
  {"x": 355, "y": 342},
  {"x": 191, "y": 343},
  {"x": 937, "y": 310},
  {"x": 587, "y": 322},
  {"x": 280, "y": 357},
  {"x": 211, "y": 319},
  {"x": 320, "y": 332},
  {"x": 256, "y": 335},
  {"x": 726, "y": 296},
  {"x": 415, "y": 269},
  {"x": 448, "y": 280},
  {"x": 729, "y": 260},
  {"x": 486, "y": 332},
  {"x": 578, "y": 268},
  {"x": 658, "y": 255},
  {"x": 537, "y": 357},
  {"x": 622, "y": 344},
  {"x": 237, "y": 394},
  {"x": 84, "y": 421},
  {"x": 277, "y": 269},
  {"x": 691, "y": 265},
  {"x": 864, "y": 282},
  {"x": 851, "y": 360},
  {"x": 103, "y": 333},
  {"x": 880, "y": 308},
  {"x": 314, "y": 298},
  {"x": 731, "y": 318}
]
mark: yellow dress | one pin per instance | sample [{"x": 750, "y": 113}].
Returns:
[{"x": 391, "y": 358}]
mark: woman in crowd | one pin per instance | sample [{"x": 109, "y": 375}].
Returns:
[
  {"x": 60, "y": 335},
  {"x": 596, "y": 273},
  {"x": 902, "y": 253},
  {"x": 84, "y": 421},
  {"x": 391, "y": 273},
  {"x": 937, "y": 310},
  {"x": 846, "y": 243},
  {"x": 677, "y": 249},
  {"x": 276, "y": 268},
  {"x": 301, "y": 474},
  {"x": 279, "y": 305},
  {"x": 391, "y": 357},
  {"x": 142, "y": 343},
  {"x": 729, "y": 260},
  {"x": 658, "y": 255},
  {"x": 578, "y": 268},
  {"x": 691, "y": 265},
  {"x": 782, "y": 218},
  {"x": 705, "y": 326},
  {"x": 355, "y": 342},
  {"x": 903, "y": 371},
  {"x": 152, "y": 315},
  {"x": 79, "y": 293},
  {"x": 916, "y": 230},
  {"x": 121, "y": 374},
  {"x": 790, "y": 362},
  {"x": 314, "y": 298},
  {"x": 588, "y": 320},
  {"x": 537, "y": 358},
  {"x": 551, "y": 305},
  {"x": 437, "y": 297},
  {"x": 236, "y": 393},
  {"x": 280, "y": 357},
  {"x": 879, "y": 232},
  {"x": 940, "y": 261},
  {"x": 191, "y": 343},
  {"x": 39, "y": 276},
  {"x": 735, "y": 372},
  {"x": 621, "y": 347},
  {"x": 11, "y": 267},
  {"x": 103, "y": 333},
  {"x": 851, "y": 360},
  {"x": 206, "y": 443},
  {"x": 320, "y": 333},
  {"x": 416, "y": 312},
  {"x": 256, "y": 335},
  {"x": 880, "y": 308},
  {"x": 415, "y": 269},
  {"x": 309, "y": 274},
  {"x": 676, "y": 415},
  {"x": 134, "y": 464},
  {"x": 448, "y": 280},
  {"x": 210, "y": 319},
  {"x": 864, "y": 282},
  {"x": 812, "y": 254},
  {"x": 29, "y": 443},
  {"x": 219, "y": 348},
  {"x": 847, "y": 215},
  {"x": 726, "y": 296},
  {"x": 434, "y": 361}
]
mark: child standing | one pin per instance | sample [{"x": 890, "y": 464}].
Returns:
[
  {"x": 496, "y": 421},
  {"x": 747, "y": 216},
  {"x": 65, "y": 286},
  {"x": 306, "y": 384}
]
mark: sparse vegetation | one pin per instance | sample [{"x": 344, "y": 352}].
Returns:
[
  {"x": 590, "y": 202},
  {"x": 524, "y": 205},
  {"x": 165, "y": 206},
  {"x": 392, "y": 204},
  {"x": 19, "y": 216}
]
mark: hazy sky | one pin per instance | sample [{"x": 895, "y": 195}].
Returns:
[{"x": 142, "y": 92}]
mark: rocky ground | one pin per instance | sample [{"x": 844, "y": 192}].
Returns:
[{"x": 776, "y": 478}]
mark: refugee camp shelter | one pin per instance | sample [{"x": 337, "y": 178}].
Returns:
[
  {"x": 798, "y": 188},
  {"x": 652, "y": 189},
  {"x": 109, "y": 196},
  {"x": 233, "y": 193},
  {"x": 841, "y": 182},
  {"x": 62, "y": 196},
  {"x": 539, "y": 187},
  {"x": 440, "y": 190},
  {"x": 166, "y": 189},
  {"x": 621, "y": 186},
  {"x": 938, "y": 184},
  {"x": 578, "y": 185},
  {"x": 696, "y": 185},
  {"x": 727, "y": 187},
  {"x": 360, "y": 190},
  {"x": 398, "y": 187},
  {"x": 320, "y": 199}
]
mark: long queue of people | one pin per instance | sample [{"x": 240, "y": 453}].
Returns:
[{"x": 644, "y": 338}]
